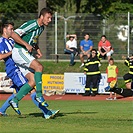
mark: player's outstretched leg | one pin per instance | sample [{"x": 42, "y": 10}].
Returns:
[
  {"x": 120, "y": 91},
  {"x": 54, "y": 112},
  {"x": 107, "y": 89},
  {"x": 51, "y": 114},
  {"x": 42, "y": 101},
  {"x": 6, "y": 105},
  {"x": 48, "y": 114},
  {"x": 15, "y": 106},
  {"x": 21, "y": 93},
  {"x": 33, "y": 96},
  {"x": 38, "y": 81},
  {"x": 123, "y": 92}
]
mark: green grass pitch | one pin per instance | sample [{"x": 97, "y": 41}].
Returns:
[{"x": 74, "y": 117}]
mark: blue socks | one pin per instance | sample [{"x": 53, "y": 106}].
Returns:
[
  {"x": 6, "y": 104},
  {"x": 33, "y": 95},
  {"x": 42, "y": 108}
]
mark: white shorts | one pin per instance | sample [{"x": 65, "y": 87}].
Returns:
[
  {"x": 110, "y": 52},
  {"x": 22, "y": 58},
  {"x": 25, "y": 70}
]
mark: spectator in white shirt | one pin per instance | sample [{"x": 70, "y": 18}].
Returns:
[{"x": 71, "y": 48}]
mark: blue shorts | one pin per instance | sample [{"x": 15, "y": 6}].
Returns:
[{"x": 18, "y": 79}]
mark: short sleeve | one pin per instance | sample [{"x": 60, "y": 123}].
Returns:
[{"x": 27, "y": 27}]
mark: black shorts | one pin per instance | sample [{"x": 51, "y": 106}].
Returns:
[{"x": 128, "y": 77}]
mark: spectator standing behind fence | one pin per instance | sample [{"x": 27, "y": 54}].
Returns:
[
  {"x": 86, "y": 46},
  {"x": 112, "y": 73},
  {"x": 71, "y": 48},
  {"x": 105, "y": 48},
  {"x": 93, "y": 74}
]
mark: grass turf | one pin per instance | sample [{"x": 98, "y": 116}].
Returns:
[{"x": 74, "y": 117}]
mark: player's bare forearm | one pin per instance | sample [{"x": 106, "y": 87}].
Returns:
[{"x": 39, "y": 53}]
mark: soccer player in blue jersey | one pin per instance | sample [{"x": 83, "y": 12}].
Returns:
[
  {"x": 20, "y": 83},
  {"x": 26, "y": 38}
]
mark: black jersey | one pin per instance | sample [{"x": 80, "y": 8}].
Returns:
[
  {"x": 92, "y": 66},
  {"x": 129, "y": 63}
]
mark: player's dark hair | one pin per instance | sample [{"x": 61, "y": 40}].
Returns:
[
  {"x": 71, "y": 37},
  {"x": 103, "y": 36},
  {"x": 94, "y": 50},
  {"x": 86, "y": 34},
  {"x": 5, "y": 25},
  {"x": 111, "y": 59},
  {"x": 44, "y": 11}
]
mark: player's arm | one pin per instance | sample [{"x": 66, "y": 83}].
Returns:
[
  {"x": 99, "y": 56},
  {"x": 18, "y": 39},
  {"x": 99, "y": 48},
  {"x": 3, "y": 56},
  {"x": 90, "y": 49},
  {"x": 39, "y": 53},
  {"x": 85, "y": 70},
  {"x": 101, "y": 53},
  {"x": 81, "y": 47},
  {"x": 73, "y": 35},
  {"x": 82, "y": 50},
  {"x": 127, "y": 61},
  {"x": 108, "y": 47}
]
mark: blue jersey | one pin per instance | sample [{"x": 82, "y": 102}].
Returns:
[
  {"x": 86, "y": 44},
  {"x": 13, "y": 72}
]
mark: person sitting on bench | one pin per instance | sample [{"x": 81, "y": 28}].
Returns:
[{"x": 71, "y": 48}]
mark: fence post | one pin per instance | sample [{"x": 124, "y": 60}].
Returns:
[
  {"x": 55, "y": 32},
  {"x": 104, "y": 21},
  {"x": 128, "y": 33}
]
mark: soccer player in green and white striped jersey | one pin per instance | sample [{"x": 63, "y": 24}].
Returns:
[{"x": 26, "y": 38}]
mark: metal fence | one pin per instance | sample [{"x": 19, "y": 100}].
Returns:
[{"x": 118, "y": 30}]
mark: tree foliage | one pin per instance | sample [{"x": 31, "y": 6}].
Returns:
[
  {"x": 10, "y": 8},
  {"x": 18, "y": 6},
  {"x": 103, "y": 7}
]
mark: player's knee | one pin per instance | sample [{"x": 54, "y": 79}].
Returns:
[
  {"x": 32, "y": 84},
  {"x": 39, "y": 68},
  {"x": 88, "y": 55},
  {"x": 81, "y": 55}
]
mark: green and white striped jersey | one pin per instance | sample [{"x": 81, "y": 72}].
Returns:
[{"x": 29, "y": 32}]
